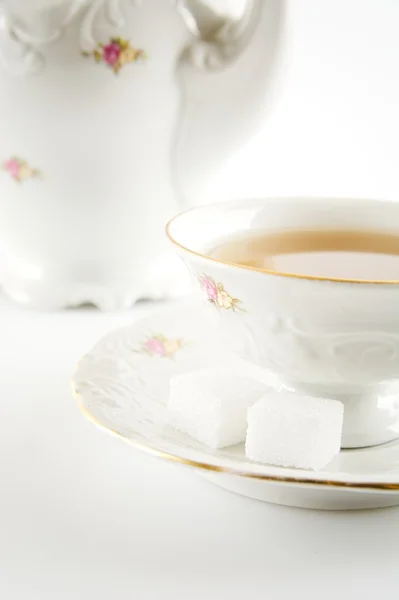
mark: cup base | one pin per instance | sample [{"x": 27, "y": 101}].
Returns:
[{"x": 371, "y": 414}]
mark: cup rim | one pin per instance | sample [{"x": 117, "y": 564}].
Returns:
[{"x": 233, "y": 203}]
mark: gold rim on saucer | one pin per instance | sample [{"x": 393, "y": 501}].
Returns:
[
  {"x": 259, "y": 269},
  {"x": 204, "y": 466}
]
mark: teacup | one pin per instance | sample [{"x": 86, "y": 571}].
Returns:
[{"x": 328, "y": 337}]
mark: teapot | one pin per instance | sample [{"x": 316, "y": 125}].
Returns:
[{"x": 114, "y": 115}]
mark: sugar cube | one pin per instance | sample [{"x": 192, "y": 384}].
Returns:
[
  {"x": 291, "y": 430},
  {"x": 211, "y": 405}
]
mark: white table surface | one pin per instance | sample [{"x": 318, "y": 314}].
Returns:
[{"x": 83, "y": 515}]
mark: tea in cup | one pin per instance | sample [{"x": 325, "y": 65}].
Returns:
[{"x": 309, "y": 290}]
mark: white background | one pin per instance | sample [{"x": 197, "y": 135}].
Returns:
[
  {"x": 84, "y": 516},
  {"x": 333, "y": 129}
]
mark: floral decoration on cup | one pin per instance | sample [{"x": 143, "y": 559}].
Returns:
[
  {"x": 217, "y": 295},
  {"x": 117, "y": 53},
  {"x": 160, "y": 345},
  {"x": 19, "y": 169}
]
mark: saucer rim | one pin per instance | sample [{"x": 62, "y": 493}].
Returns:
[
  {"x": 336, "y": 482},
  {"x": 206, "y": 466}
]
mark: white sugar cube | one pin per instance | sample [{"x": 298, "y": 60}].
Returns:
[
  {"x": 211, "y": 405},
  {"x": 290, "y": 430}
]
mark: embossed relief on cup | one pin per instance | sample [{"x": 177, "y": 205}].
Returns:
[{"x": 303, "y": 352}]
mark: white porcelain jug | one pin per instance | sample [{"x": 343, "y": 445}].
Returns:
[{"x": 111, "y": 112}]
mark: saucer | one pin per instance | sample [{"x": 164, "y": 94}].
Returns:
[{"x": 122, "y": 386}]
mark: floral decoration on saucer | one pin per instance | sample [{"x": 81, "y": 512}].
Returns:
[{"x": 160, "y": 345}]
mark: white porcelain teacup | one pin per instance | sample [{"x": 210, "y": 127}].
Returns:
[{"x": 334, "y": 338}]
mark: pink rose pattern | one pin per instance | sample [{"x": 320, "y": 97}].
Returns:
[
  {"x": 210, "y": 288},
  {"x": 217, "y": 295},
  {"x": 111, "y": 53},
  {"x": 19, "y": 169},
  {"x": 160, "y": 345},
  {"x": 117, "y": 53}
]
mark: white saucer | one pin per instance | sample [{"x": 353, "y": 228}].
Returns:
[{"x": 122, "y": 386}]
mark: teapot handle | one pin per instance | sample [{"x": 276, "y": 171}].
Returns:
[
  {"x": 219, "y": 39},
  {"x": 226, "y": 76}
]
